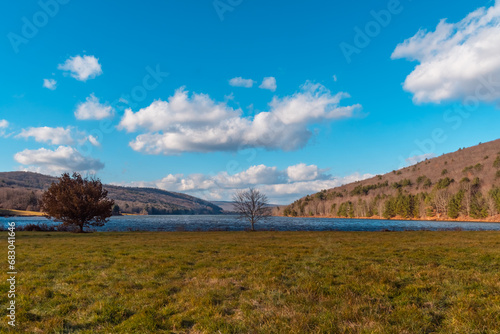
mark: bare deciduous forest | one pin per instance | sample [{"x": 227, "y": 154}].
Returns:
[
  {"x": 461, "y": 185},
  {"x": 23, "y": 191}
]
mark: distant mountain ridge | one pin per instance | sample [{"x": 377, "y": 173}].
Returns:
[
  {"x": 463, "y": 185},
  {"x": 23, "y": 190},
  {"x": 228, "y": 206}
]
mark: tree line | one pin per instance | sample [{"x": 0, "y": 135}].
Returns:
[{"x": 468, "y": 198}]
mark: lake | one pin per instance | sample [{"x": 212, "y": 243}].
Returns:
[{"x": 232, "y": 223}]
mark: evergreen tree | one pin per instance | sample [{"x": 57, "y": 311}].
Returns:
[
  {"x": 351, "y": 210},
  {"x": 389, "y": 210},
  {"x": 495, "y": 195},
  {"x": 455, "y": 205},
  {"x": 479, "y": 207}
]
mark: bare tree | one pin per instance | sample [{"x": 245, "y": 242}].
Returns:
[
  {"x": 252, "y": 205},
  {"x": 441, "y": 200},
  {"x": 467, "y": 188}
]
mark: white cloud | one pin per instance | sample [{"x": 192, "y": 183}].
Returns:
[
  {"x": 418, "y": 158},
  {"x": 302, "y": 172},
  {"x": 335, "y": 78},
  {"x": 54, "y": 162},
  {"x": 457, "y": 60},
  {"x": 92, "y": 109},
  {"x": 82, "y": 68},
  {"x": 93, "y": 140},
  {"x": 277, "y": 184},
  {"x": 285, "y": 193},
  {"x": 199, "y": 124},
  {"x": 269, "y": 83},
  {"x": 58, "y": 136},
  {"x": 197, "y": 111},
  {"x": 3, "y": 126},
  {"x": 50, "y": 84},
  {"x": 240, "y": 82},
  {"x": 45, "y": 134}
]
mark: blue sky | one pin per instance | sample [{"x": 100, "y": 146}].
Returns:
[{"x": 206, "y": 97}]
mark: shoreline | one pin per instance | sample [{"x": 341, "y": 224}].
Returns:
[
  {"x": 19, "y": 213},
  {"x": 492, "y": 219},
  {"x": 23, "y": 213}
]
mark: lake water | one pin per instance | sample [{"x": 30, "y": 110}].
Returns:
[{"x": 232, "y": 223}]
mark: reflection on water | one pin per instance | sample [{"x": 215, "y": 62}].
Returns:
[{"x": 232, "y": 223}]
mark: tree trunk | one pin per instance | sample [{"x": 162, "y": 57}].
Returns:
[{"x": 81, "y": 228}]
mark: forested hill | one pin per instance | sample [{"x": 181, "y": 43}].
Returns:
[
  {"x": 23, "y": 190},
  {"x": 461, "y": 185}
]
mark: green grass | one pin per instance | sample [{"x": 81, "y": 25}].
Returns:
[{"x": 263, "y": 282}]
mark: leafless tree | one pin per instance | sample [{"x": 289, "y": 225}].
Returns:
[
  {"x": 252, "y": 205},
  {"x": 441, "y": 200}
]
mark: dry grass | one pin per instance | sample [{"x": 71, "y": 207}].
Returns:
[
  {"x": 20, "y": 213},
  {"x": 263, "y": 282}
]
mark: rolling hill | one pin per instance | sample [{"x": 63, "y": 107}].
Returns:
[
  {"x": 23, "y": 190},
  {"x": 463, "y": 185}
]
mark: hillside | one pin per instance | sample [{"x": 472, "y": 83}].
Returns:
[
  {"x": 23, "y": 190},
  {"x": 461, "y": 185}
]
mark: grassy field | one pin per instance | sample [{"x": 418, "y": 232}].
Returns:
[{"x": 263, "y": 282}]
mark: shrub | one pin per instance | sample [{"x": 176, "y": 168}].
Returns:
[
  {"x": 467, "y": 169},
  {"x": 43, "y": 227},
  {"x": 496, "y": 163},
  {"x": 444, "y": 183},
  {"x": 421, "y": 179}
]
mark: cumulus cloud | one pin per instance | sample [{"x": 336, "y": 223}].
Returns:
[
  {"x": 279, "y": 185},
  {"x": 45, "y": 134},
  {"x": 82, "y": 68},
  {"x": 49, "y": 84},
  {"x": 302, "y": 172},
  {"x": 197, "y": 111},
  {"x": 285, "y": 193},
  {"x": 457, "y": 60},
  {"x": 54, "y": 162},
  {"x": 58, "y": 136},
  {"x": 240, "y": 82},
  {"x": 269, "y": 83},
  {"x": 196, "y": 123},
  {"x": 92, "y": 109}
]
